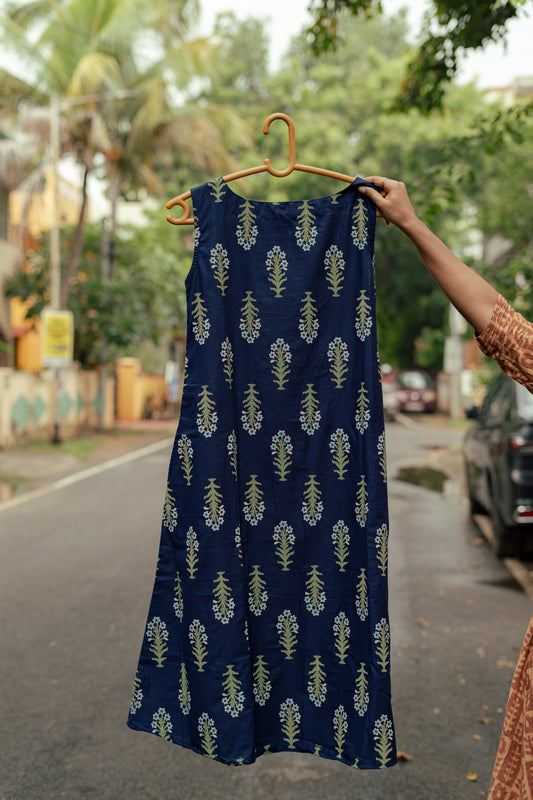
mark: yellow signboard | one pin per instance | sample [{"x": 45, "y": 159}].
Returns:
[{"x": 57, "y": 338}]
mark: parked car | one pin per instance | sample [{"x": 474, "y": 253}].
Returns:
[
  {"x": 416, "y": 392},
  {"x": 389, "y": 387},
  {"x": 498, "y": 456}
]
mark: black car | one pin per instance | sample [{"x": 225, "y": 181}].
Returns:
[{"x": 498, "y": 455}]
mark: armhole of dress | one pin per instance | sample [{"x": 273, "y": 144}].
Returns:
[{"x": 196, "y": 238}]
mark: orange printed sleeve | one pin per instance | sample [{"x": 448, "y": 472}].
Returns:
[{"x": 508, "y": 339}]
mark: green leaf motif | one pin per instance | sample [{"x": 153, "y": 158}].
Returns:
[
  {"x": 252, "y": 414},
  {"x": 157, "y": 635},
  {"x": 208, "y": 735},
  {"x": 309, "y": 410},
  {"x": 338, "y": 357},
  {"x": 214, "y": 510},
  {"x": 232, "y": 451},
  {"x": 200, "y": 323},
  {"x": 315, "y": 596},
  {"x": 281, "y": 449},
  {"x": 316, "y": 685},
  {"x": 170, "y": 513},
  {"x": 383, "y": 734},
  {"x": 360, "y": 224},
  {"x": 185, "y": 454},
  {"x": 223, "y": 602},
  {"x": 363, "y": 316},
  {"x": 287, "y": 628},
  {"x": 361, "y": 697},
  {"x": 262, "y": 685},
  {"x": 198, "y": 639},
  {"x": 382, "y": 642},
  {"x": 226, "y": 354},
  {"x": 361, "y": 507},
  {"x": 247, "y": 229},
  {"x": 312, "y": 506},
  {"x": 290, "y": 718},
  {"x": 249, "y": 323},
  {"x": 341, "y": 544},
  {"x": 161, "y": 724},
  {"x": 382, "y": 456},
  {"x": 339, "y": 446},
  {"x": 257, "y": 593},
  {"x": 136, "y": 695},
  {"x": 218, "y": 188},
  {"x": 306, "y": 230},
  {"x": 340, "y": 727},
  {"x": 238, "y": 545},
  {"x": 178, "y": 597},
  {"x": 382, "y": 547},
  {"x": 184, "y": 693},
  {"x": 334, "y": 265},
  {"x": 276, "y": 264},
  {"x": 361, "y": 597},
  {"x": 280, "y": 358},
  {"x": 207, "y": 417},
  {"x": 341, "y": 635},
  {"x": 362, "y": 414},
  {"x": 308, "y": 323},
  {"x": 254, "y": 507},
  {"x": 220, "y": 265},
  {"x": 232, "y": 696},
  {"x": 192, "y": 552},
  {"x": 284, "y": 545}
]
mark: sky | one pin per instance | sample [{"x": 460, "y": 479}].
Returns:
[{"x": 496, "y": 66}]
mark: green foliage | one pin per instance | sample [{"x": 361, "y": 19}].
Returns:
[
  {"x": 460, "y": 26},
  {"x": 125, "y": 310}
]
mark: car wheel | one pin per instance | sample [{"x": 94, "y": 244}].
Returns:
[
  {"x": 508, "y": 541},
  {"x": 474, "y": 506}
]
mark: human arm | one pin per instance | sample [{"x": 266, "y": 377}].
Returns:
[{"x": 471, "y": 295}]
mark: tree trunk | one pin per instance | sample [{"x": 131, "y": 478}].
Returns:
[{"x": 77, "y": 245}]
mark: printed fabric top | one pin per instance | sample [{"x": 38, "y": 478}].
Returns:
[{"x": 268, "y": 627}]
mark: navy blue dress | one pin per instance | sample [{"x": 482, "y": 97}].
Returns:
[{"x": 268, "y": 627}]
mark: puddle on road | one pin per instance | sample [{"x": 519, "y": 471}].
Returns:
[
  {"x": 12, "y": 486},
  {"x": 425, "y": 477}
]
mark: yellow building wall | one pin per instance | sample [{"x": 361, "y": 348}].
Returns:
[{"x": 35, "y": 213}]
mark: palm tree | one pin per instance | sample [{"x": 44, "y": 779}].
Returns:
[{"x": 74, "y": 49}]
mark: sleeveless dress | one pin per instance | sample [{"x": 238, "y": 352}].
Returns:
[{"x": 268, "y": 626}]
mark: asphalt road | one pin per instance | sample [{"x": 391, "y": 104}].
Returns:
[{"x": 76, "y": 573}]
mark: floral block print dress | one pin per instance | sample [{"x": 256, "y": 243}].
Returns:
[{"x": 268, "y": 627}]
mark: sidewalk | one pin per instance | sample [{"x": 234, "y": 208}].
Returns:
[{"x": 36, "y": 464}]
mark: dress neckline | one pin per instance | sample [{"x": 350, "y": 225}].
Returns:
[{"x": 293, "y": 203}]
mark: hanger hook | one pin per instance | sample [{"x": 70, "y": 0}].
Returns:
[{"x": 280, "y": 173}]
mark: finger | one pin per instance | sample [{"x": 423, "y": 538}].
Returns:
[{"x": 378, "y": 180}]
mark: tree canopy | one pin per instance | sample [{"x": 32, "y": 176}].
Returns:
[{"x": 451, "y": 28}]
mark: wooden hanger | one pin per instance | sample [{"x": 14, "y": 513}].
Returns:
[{"x": 186, "y": 218}]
